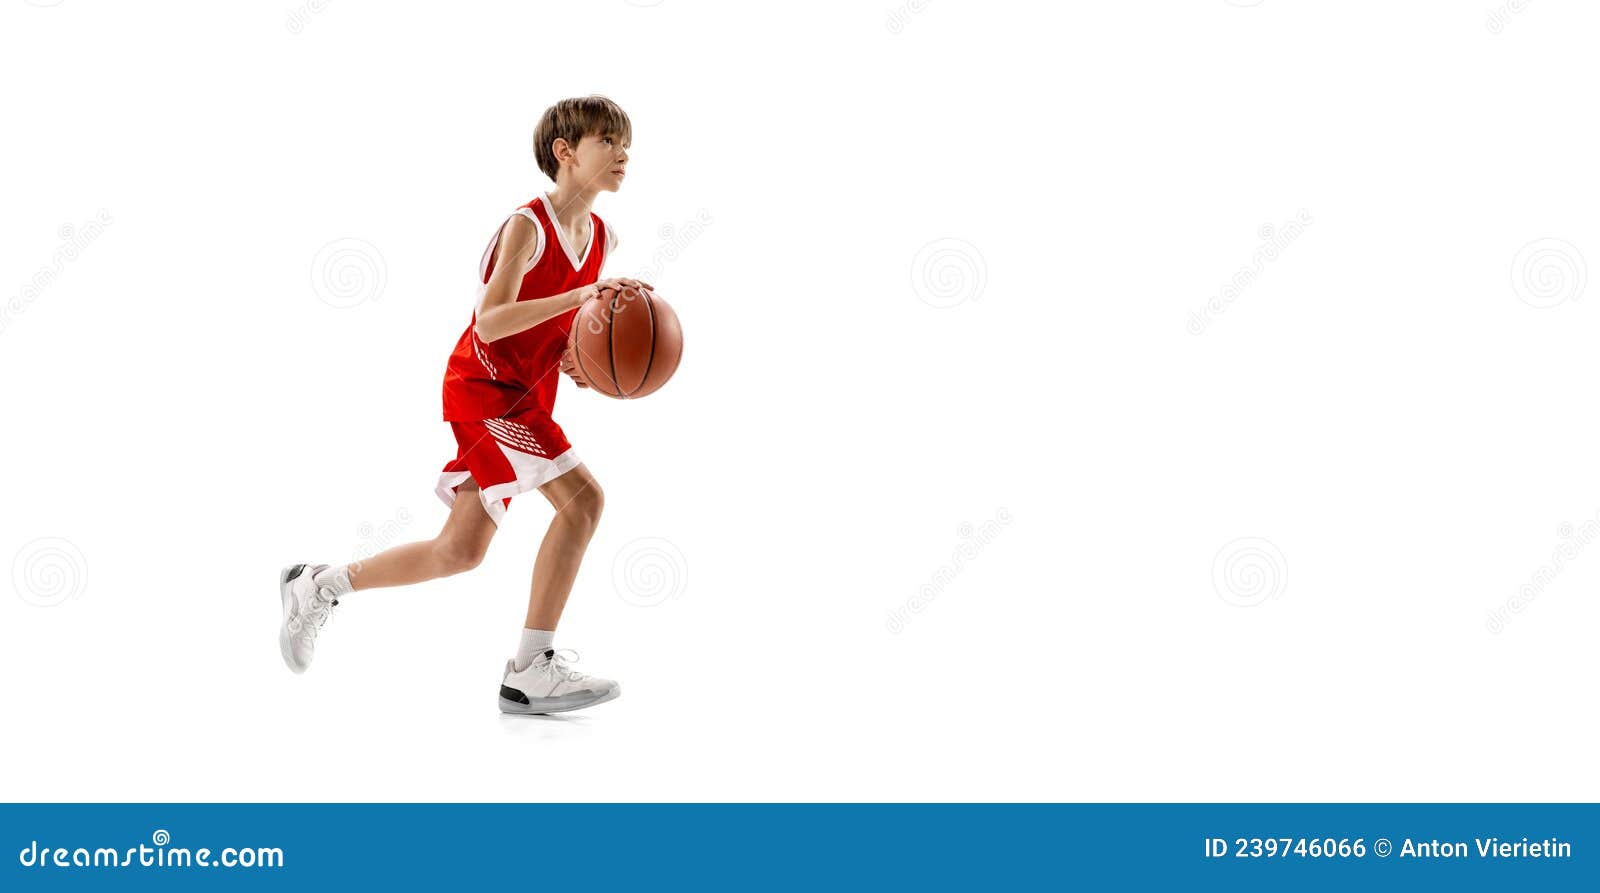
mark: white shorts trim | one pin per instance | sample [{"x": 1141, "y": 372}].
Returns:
[{"x": 532, "y": 473}]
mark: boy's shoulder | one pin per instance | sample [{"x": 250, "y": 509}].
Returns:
[{"x": 545, "y": 216}]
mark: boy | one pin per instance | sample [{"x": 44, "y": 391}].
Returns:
[{"x": 499, "y": 389}]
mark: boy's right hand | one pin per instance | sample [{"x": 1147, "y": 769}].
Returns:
[
  {"x": 588, "y": 292},
  {"x": 585, "y": 294}
]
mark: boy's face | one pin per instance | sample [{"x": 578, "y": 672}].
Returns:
[{"x": 601, "y": 159}]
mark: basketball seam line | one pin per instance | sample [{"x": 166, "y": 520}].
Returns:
[
  {"x": 652, "y": 358},
  {"x": 611, "y": 336},
  {"x": 577, "y": 348}
]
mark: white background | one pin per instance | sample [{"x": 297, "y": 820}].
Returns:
[{"x": 1402, "y": 439}]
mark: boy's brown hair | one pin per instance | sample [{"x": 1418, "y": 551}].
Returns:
[{"x": 574, "y": 119}]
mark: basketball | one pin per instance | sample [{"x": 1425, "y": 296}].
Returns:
[{"x": 625, "y": 344}]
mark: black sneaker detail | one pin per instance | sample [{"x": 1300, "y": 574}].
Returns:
[
  {"x": 550, "y": 652},
  {"x": 511, "y": 694}
]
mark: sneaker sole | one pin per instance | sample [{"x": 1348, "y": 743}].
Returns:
[
  {"x": 541, "y": 706},
  {"x": 284, "y": 579}
]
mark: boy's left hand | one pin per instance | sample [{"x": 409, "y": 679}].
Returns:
[{"x": 571, "y": 368}]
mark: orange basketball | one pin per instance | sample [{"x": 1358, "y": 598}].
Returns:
[{"x": 625, "y": 344}]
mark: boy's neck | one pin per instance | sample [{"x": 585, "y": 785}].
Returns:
[{"x": 571, "y": 203}]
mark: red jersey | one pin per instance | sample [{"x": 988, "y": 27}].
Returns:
[{"x": 519, "y": 373}]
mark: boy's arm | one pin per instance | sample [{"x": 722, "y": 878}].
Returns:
[{"x": 500, "y": 314}]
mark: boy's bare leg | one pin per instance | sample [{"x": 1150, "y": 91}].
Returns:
[
  {"x": 459, "y": 547},
  {"x": 578, "y": 502},
  {"x": 538, "y": 679}
]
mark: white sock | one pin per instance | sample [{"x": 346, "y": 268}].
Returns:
[
  {"x": 337, "y": 578},
  {"x": 534, "y": 643}
]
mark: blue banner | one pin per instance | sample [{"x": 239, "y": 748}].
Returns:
[{"x": 792, "y": 846}]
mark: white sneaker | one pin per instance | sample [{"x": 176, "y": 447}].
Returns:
[
  {"x": 548, "y": 685},
  {"x": 306, "y": 607}
]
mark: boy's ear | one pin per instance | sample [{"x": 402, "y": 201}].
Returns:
[{"x": 561, "y": 149}]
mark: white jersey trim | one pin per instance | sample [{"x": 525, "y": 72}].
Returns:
[
  {"x": 477, "y": 348},
  {"x": 483, "y": 272},
  {"x": 538, "y": 245},
  {"x": 532, "y": 473},
  {"x": 561, "y": 235}
]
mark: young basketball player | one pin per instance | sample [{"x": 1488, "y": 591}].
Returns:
[{"x": 499, "y": 390}]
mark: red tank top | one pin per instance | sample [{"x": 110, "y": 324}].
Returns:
[{"x": 519, "y": 373}]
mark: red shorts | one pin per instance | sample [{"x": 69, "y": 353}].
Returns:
[{"x": 506, "y": 457}]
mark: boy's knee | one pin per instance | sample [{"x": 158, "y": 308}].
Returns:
[
  {"x": 586, "y": 506},
  {"x": 456, "y": 557}
]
